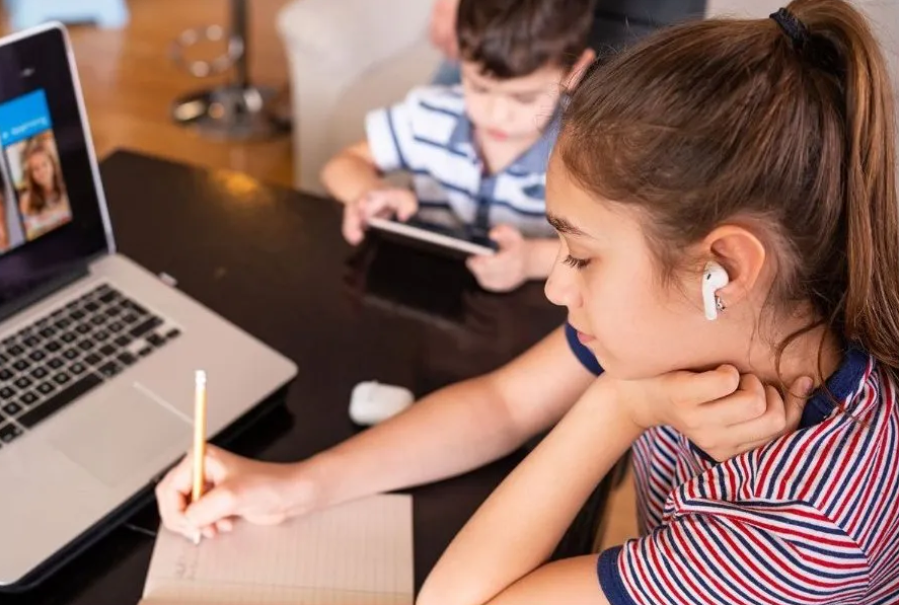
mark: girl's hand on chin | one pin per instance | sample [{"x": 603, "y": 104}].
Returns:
[{"x": 722, "y": 412}]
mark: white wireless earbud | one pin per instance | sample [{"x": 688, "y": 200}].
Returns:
[{"x": 713, "y": 279}]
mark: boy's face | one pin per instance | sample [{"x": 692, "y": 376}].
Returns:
[{"x": 513, "y": 109}]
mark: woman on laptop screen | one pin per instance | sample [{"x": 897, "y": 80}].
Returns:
[{"x": 43, "y": 201}]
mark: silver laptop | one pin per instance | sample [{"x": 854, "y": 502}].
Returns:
[{"x": 97, "y": 355}]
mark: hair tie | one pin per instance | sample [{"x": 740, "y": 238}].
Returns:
[{"x": 793, "y": 27}]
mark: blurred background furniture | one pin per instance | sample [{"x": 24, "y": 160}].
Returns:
[
  {"x": 347, "y": 57},
  {"x": 238, "y": 109}
]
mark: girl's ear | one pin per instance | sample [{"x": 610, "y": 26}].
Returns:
[
  {"x": 577, "y": 71},
  {"x": 742, "y": 254}
]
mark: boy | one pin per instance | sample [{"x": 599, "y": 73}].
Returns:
[{"x": 479, "y": 150}]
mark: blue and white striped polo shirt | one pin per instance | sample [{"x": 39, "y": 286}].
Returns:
[{"x": 430, "y": 136}]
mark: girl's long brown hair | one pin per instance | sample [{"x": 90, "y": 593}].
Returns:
[
  {"x": 37, "y": 201},
  {"x": 725, "y": 120}
]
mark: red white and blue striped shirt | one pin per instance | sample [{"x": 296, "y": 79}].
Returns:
[{"x": 812, "y": 517}]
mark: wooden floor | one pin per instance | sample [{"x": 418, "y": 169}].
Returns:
[{"x": 129, "y": 82}]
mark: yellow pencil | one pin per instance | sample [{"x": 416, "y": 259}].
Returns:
[{"x": 199, "y": 438}]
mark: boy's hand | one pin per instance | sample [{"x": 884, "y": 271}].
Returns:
[
  {"x": 442, "y": 29},
  {"x": 377, "y": 202},
  {"x": 508, "y": 268},
  {"x": 731, "y": 414}
]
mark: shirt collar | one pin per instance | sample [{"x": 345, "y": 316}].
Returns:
[{"x": 534, "y": 159}]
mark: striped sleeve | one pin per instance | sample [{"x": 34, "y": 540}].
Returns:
[
  {"x": 389, "y": 134},
  {"x": 739, "y": 556}
]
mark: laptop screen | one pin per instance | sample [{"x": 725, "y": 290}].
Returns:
[{"x": 50, "y": 217}]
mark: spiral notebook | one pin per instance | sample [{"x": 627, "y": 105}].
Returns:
[{"x": 359, "y": 553}]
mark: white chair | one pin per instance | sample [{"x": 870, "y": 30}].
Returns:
[{"x": 347, "y": 57}]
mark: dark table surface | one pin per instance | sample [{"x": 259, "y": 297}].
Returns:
[{"x": 272, "y": 261}]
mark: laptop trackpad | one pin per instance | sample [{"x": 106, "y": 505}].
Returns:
[{"x": 120, "y": 434}]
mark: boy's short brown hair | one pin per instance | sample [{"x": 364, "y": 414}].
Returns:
[{"x": 515, "y": 38}]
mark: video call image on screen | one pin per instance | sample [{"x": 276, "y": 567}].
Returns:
[{"x": 33, "y": 198}]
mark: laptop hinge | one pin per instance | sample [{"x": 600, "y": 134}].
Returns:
[{"x": 68, "y": 276}]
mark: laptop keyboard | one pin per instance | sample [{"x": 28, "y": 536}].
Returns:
[{"x": 71, "y": 351}]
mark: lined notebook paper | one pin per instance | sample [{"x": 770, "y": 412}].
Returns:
[{"x": 359, "y": 553}]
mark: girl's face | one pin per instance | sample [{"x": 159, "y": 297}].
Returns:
[
  {"x": 607, "y": 277},
  {"x": 41, "y": 170}
]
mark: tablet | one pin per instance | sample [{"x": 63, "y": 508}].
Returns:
[
  {"x": 410, "y": 282},
  {"x": 457, "y": 241}
]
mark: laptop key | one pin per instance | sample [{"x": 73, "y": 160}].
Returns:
[
  {"x": 114, "y": 311},
  {"x": 23, "y": 383},
  {"x": 110, "y": 369},
  {"x": 126, "y": 359},
  {"x": 71, "y": 354},
  {"x": 21, "y": 365},
  {"x": 37, "y": 355},
  {"x": 56, "y": 363},
  {"x": 116, "y": 327},
  {"x": 7, "y": 393},
  {"x": 31, "y": 341},
  {"x": 48, "y": 332},
  {"x": 12, "y": 408},
  {"x": 53, "y": 346},
  {"x": 63, "y": 324},
  {"x": 156, "y": 340},
  {"x": 98, "y": 320},
  {"x": 172, "y": 334},
  {"x": 39, "y": 373},
  {"x": 109, "y": 296},
  {"x": 139, "y": 310},
  {"x": 78, "y": 315},
  {"x": 145, "y": 351},
  {"x": 82, "y": 328},
  {"x": 86, "y": 345},
  {"x": 28, "y": 398},
  {"x": 5, "y": 374},
  {"x": 77, "y": 369},
  {"x": 4, "y": 358},
  {"x": 145, "y": 326},
  {"x": 92, "y": 306},
  {"x": 60, "y": 400},
  {"x": 62, "y": 378},
  {"x": 8, "y": 432},
  {"x": 101, "y": 335},
  {"x": 69, "y": 337},
  {"x": 45, "y": 388},
  {"x": 15, "y": 350},
  {"x": 123, "y": 341},
  {"x": 93, "y": 359}
]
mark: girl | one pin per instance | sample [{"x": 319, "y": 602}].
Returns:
[
  {"x": 44, "y": 203},
  {"x": 4, "y": 232},
  {"x": 766, "y": 148}
]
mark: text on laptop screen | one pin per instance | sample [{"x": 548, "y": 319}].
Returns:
[{"x": 34, "y": 198}]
